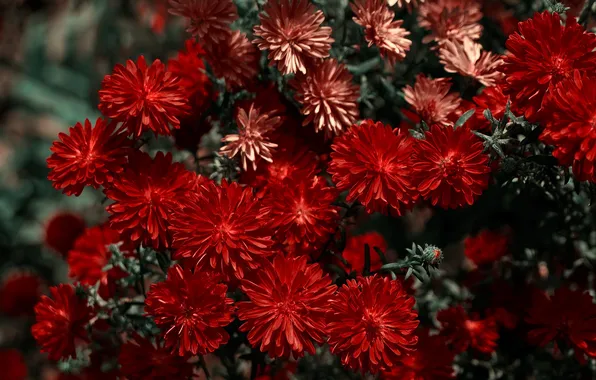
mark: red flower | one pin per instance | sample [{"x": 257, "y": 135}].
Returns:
[
  {"x": 371, "y": 324},
  {"x": 190, "y": 68},
  {"x": 491, "y": 98},
  {"x": 13, "y": 364},
  {"x": 463, "y": 331},
  {"x": 19, "y": 292},
  {"x": 191, "y": 311},
  {"x": 431, "y": 99},
  {"x": 288, "y": 302},
  {"x": 143, "y": 98},
  {"x": 450, "y": 167},
  {"x": 354, "y": 251},
  {"x": 145, "y": 196},
  {"x": 141, "y": 359},
  {"x": 568, "y": 315},
  {"x": 487, "y": 247},
  {"x": 60, "y": 320},
  {"x": 223, "y": 227},
  {"x": 209, "y": 20},
  {"x": 374, "y": 162},
  {"x": 87, "y": 156},
  {"x": 540, "y": 56},
  {"x": 431, "y": 360},
  {"x": 62, "y": 230}
]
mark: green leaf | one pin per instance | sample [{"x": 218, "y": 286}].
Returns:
[{"x": 465, "y": 117}]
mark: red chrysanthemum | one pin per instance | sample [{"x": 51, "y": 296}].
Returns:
[
  {"x": 191, "y": 311},
  {"x": 19, "y": 292},
  {"x": 541, "y": 55},
  {"x": 450, "y": 20},
  {"x": 223, "y": 227},
  {"x": 61, "y": 320},
  {"x": 463, "y": 331},
  {"x": 141, "y": 359},
  {"x": 291, "y": 30},
  {"x": 190, "y": 68},
  {"x": 13, "y": 364},
  {"x": 431, "y": 360},
  {"x": 234, "y": 59},
  {"x": 328, "y": 97},
  {"x": 145, "y": 196},
  {"x": 487, "y": 247},
  {"x": 381, "y": 30},
  {"x": 287, "y": 303},
  {"x": 431, "y": 99},
  {"x": 467, "y": 58},
  {"x": 374, "y": 162},
  {"x": 493, "y": 99},
  {"x": 87, "y": 156},
  {"x": 353, "y": 253},
  {"x": 450, "y": 167},
  {"x": 143, "y": 98},
  {"x": 371, "y": 324},
  {"x": 62, "y": 230},
  {"x": 209, "y": 20},
  {"x": 567, "y": 316}
]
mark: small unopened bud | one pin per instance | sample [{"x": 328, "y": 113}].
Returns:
[{"x": 432, "y": 255}]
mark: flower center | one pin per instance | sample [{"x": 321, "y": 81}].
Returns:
[
  {"x": 373, "y": 324},
  {"x": 449, "y": 166}
]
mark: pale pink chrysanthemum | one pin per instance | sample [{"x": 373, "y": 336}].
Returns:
[
  {"x": 235, "y": 59},
  {"x": 401, "y": 3},
  {"x": 467, "y": 58},
  {"x": 377, "y": 20},
  {"x": 450, "y": 20},
  {"x": 291, "y": 30},
  {"x": 251, "y": 140},
  {"x": 208, "y": 19},
  {"x": 328, "y": 97},
  {"x": 431, "y": 99}
]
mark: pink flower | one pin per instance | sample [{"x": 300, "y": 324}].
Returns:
[{"x": 467, "y": 58}]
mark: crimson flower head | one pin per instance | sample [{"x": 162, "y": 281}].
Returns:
[
  {"x": 353, "y": 253},
  {"x": 190, "y": 68},
  {"x": 450, "y": 20},
  {"x": 13, "y": 364},
  {"x": 87, "y": 156},
  {"x": 373, "y": 162},
  {"x": 487, "y": 247},
  {"x": 463, "y": 331},
  {"x": 493, "y": 99},
  {"x": 541, "y": 56},
  {"x": 143, "y": 98},
  {"x": 223, "y": 227},
  {"x": 450, "y": 167},
  {"x": 288, "y": 300},
  {"x": 19, "y": 292},
  {"x": 291, "y": 30},
  {"x": 371, "y": 324},
  {"x": 209, "y": 20},
  {"x": 191, "y": 311},
  {"x": 379, "y": 28},
  {"x": 567, "y": 316},
  {"x": 328, "y": 97},
  {"x": 61, "y": 320},
  {"x": 145, "y": 196},
  {"x": 62, "y": 230},
  {"x": 431, "y": 99},
  {"x": 467, "y": 58}
]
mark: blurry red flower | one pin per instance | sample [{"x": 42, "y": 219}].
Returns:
[
  {"x": 61, "y": 320},
  {"x": 463, "y": 331},
  {"x": 87, "y": 156},
  {"x": 190, "y": 68},
  {"x": 328, "y": 97},
  {"x": 19, "y": 292},
  {"x": 287, "y": 303},
  {"x": 540, "y": 56},
  {"x": 374, "y": 162},
  {"x": 62, "y": 230},
  {"x": 450, "y": 167},
  {"x": 13, "y": 364},
  {"x": 190, "y": 311},
  {"x": 467, "y": 58},
  {"x": 450, "y": 20},
  {"x": 143, "y": 98},
  {"x": 153, "y": 13},
  {"x": 354, "y": 251},
  {"x": 209, "y": 20},
  {"x": 291, "y": 30},
  {"x": 371, "y": 324},
  {"x": 487, "y": 247},
  {"x": 223, "y": 227},
  {"x": 145, "y": 196},
  {"x": 431, "y": 99},
  {"x": 491, "y": 98}
]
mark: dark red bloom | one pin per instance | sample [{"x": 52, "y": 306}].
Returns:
[
  {"x": 568, "y": 315},
  {"x": 540, "y": 55},
  {"x": 145, "y": 196},
  {"x": 371, "y": 324},
  {"x": 208, "y": 20},
  {"x": 354, "y": 251},
  {"x": 373, "y": 161},
  {"x": 287, "y": 303},
  {"x": 222, "y": 227},
  {"x": 191, "y": 311},
  {"x": 450, "y": 167},
  {"x": 87, "y": 156},
  {"x": 491, "y": 98},
  {"x": 190, "y": 68},
  {"x": 62, "y": 230},
  {"x": 13, "y": 364},
  {"x": 61, "y": 320},
  {"x": 463, "y": 331},
  {"x": 141, "y": 359},
  {"x": 19, "y": 292},
  {"x": 143, "y": 98},
  {"x": 487, "y": 247}
]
